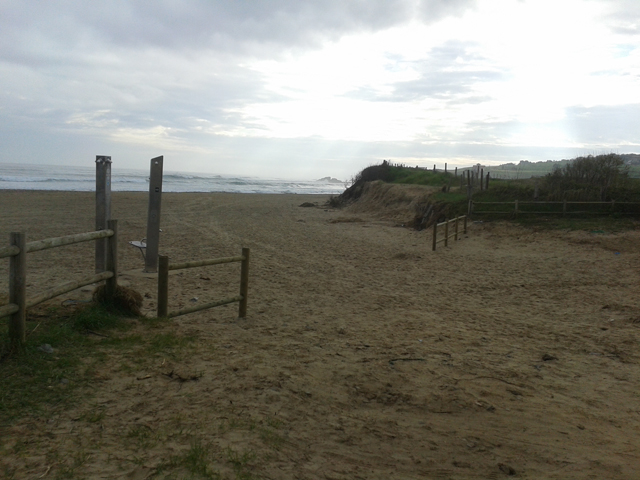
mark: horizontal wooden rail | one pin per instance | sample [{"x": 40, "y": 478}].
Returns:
[
  {"x": 8, "y": 309},
  {"x": 163, "y": 284},
  {"x": 10, "y": 251},
  {"x": 517, "y": 204},
  {"x": 528, "y": 212},
  {"x": 556, "y": 203},
  {"x": 204, "y": 263},
  {"x": 446, "y": 231},
  {"x": 18, "y": 304},
  {"x": 205, "y": 306},
  {"x": 67, "y": 240},
  {"x": 38, "y": 245},
  {"x": 67, "y": 287}
]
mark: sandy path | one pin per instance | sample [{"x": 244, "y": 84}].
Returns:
[{"x": 364, "y": 355}]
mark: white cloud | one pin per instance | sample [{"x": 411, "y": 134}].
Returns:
[{"x": 488, "y": 78}]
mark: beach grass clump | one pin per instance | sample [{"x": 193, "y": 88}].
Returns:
[
  {"x": 125, "y": 301},
  {"x": 58, "y": 358},
  {"x": 50, "y": 366},
  {"x": 63, "y": 351}
]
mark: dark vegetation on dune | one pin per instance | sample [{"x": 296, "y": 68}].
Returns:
[{"x": 601, "y": 178}]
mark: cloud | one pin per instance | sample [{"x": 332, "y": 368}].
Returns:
[
  {"x": 623, "y": 17},
  {"x": 293, "y": 85},
  {"x": 604, "y": 126},
  {"x": 227, "y": 26},
  {"x": 433, "y": 10},
  {"x": 450, "y": 71}
]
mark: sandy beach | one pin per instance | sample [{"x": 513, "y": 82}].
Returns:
[{"x": 514, "y": 351}]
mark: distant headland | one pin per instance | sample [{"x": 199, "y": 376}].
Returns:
[{"x": 329, "y": 180}]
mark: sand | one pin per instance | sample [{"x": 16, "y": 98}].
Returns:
[{"x": 364, "y": 354}]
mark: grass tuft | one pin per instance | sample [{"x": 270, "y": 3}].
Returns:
[{"x": 126, "y": 301}]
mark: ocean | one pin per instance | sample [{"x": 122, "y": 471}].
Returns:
[{"x": 67, "y": 178}]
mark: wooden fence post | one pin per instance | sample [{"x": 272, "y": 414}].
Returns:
[
  {"x": 244, "y": 283},
  {"x": 465, "y": 224},
  {"x": 487, "y": 181},
  {"x": 564, "y": 207},
  {"x": 456, "y": 237},
  {"x": 435, "y": 234},
  {"x": 446, "y": 233},
  {"x": 482, "y": 179},
  {"x": 18, "y": 289},
  {"x": 153, "y": 217},
  {"x": 111, "y": 284},
  {"x": 163, "y": 286},
  {"x": 103, "y": 207}
]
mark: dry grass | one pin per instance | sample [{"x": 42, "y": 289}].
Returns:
[{"x": 126, "y": 301}]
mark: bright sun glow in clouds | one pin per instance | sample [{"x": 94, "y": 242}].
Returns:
[{"x": 250, "y": 86}]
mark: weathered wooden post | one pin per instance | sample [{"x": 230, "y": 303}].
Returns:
[
  {"x": 465, "y": 225},
  {"x": 469, "y": 184},
  {"x": 18, "y": 289},
  {"x": 153, "y": 218},
  {"x": 163, "y": 286},
  {"x": 434, "y": 168},
  {"x": 487, "y": 181},
  {"x": 244, "y": 283},
  {"x": 435, "y": 235},
  {"x": 456, "y": 237},
  {"x": 445, "y": 167},
  {"x": 481, "y": 179},
  {"x": 455, "y": 174},
  {"x": 103, "y": 207},
  {"x": 111, "y": 284},
  {"x": 564, "y": 207},
  {"x": 446, "y": 233}
]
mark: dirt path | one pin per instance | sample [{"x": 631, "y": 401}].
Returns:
[{"x": 364, "y": 355}]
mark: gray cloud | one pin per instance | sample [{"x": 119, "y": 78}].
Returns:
[
  {"x": 624, "y": 17},
  {"x": 604, "y": 125},
  {"x": 75, "y": 75},
  {"x": 221, "y": 24},
  {"x": 139, "y": 64},
  {"x": 449, "y": 72},
  {"x": 432, "y": 10}
]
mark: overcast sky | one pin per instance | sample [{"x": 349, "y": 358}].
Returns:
[{"x": 309, "y": 88}]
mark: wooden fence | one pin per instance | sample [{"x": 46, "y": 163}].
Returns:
[
  {"x": 17, "y": 251},
  {"x": 455, "y": 233},
  {"x": 557, "y": 208},
  {"x": 163, "y": 284}
]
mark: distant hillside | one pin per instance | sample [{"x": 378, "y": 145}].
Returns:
[
  {"x": 526, "y": 169},
  {"x": 631, "y": 158}
]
